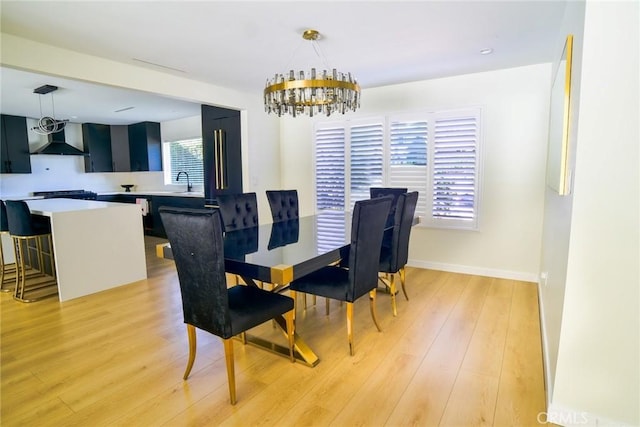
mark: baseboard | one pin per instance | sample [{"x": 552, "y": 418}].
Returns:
[
  {"x": 562, "y": 416},
  {"x": 478, "y": 271},
  {"x": 548, "y": 383}
]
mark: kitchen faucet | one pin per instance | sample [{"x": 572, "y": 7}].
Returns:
[{"x": 189, "y": 186}]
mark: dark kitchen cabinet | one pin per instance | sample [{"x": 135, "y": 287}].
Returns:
[
  {"x": 221, "y": 139},
  {"x": 96, "y": 139},
  {"x": 14, "y": 145},
  {"x": 120, "y": 148},
  {"x": 145, "y": 149},
  {"x": 152, "y": 222}
]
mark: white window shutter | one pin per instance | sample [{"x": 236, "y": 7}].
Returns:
[
  {"x": 455, "y": 171},
  {"x": 408, "y": 141},
  {"x": 330, "y": 167},
  {"x": 366, "y": 159},
  {"x": 434, "y": 153}
]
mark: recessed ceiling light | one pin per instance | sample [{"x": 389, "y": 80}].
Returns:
[
  {"x": 124, "y": 109},
  {"x": 486, "y": 51}
]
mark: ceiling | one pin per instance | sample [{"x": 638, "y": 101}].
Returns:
[{"x": 238, "y": 44}]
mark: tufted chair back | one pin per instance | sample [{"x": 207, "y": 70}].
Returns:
[
  {"x": 283, "y": 204},
  {"x": 238, "y": 211}
]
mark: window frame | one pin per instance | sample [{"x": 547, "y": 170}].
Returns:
[
  {"x": 427, "y": 218},
  {"x": 169, "y": 178}
]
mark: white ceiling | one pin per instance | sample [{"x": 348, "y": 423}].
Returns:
[{"x": 238, "y": 44}]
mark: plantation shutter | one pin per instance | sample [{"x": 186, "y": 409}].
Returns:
[
  {"x": 455, "y": 172},
  {"x": 366, "y": 161},
  {"x": 332, "y": 229},
  {"x": 434, "y": 153},
  {"x": 330, "y": 167},
  {"x": 408, "y": 141}
]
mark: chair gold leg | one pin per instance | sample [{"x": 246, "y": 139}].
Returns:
[
  {"x": 293, "y": 296},
  {"x": 392, "y": 290},
  {"x": 326, "y": 305},
  {"x": 402, "y": 277},
  {"x": 313, "y": 299},
  {"x": 231, "y": 375},
  {"x": 372, "y": 305},
  {"x": 20, "y": 266},
  {"x": 191, "y": 333},
  {"x": 290, "y": 331},
  {"x": 350, "y": 326},
  {"x": 4, "y": 269},
  {"x": 27, "y": 269}
]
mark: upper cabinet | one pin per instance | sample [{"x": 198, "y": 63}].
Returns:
[
  {"x": 121, "y": 148},
  {"x": 145, "y": 150},
  {"x": 14, "y": 145},
  {"x": 96, "y": 139},
  {"x": 221, "y": 140}
]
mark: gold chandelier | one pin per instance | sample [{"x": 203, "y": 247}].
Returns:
[{"x": 311, "y": 93}]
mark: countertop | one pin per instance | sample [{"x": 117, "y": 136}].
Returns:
[
  {"x": 47, "y": 207},
  {"x": 156, "y": 193}
]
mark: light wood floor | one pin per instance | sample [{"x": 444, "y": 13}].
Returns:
[{"x": 465, "y": 350}]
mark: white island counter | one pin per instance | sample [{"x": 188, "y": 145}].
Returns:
[{"x": 97, "y": 245}]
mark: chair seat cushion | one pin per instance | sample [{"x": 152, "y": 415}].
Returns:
[
  {"x": 329, "y": 282},
  {"x": 250, "y": 306}
]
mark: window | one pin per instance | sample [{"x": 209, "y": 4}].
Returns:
[
  {"x": 434, "y": 153},
  {"x": 185, "y": 155}
]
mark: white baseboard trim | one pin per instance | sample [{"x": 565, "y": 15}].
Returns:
[
  {"x": 478, "y": 271},
  {"x": 546, "y": 362},
  {"x": 567, "y": 417}
]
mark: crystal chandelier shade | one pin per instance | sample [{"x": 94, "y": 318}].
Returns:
[{"x": 298, "y": 93}]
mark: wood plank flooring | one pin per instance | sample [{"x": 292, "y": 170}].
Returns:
[{"x": 465, "y": 350}]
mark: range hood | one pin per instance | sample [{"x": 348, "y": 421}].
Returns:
[{"x": 57, "y": 145}]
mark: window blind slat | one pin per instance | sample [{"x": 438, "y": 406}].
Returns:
[
  {"x": 435, "y": 154},
  {"x": 455, "y": 168}
]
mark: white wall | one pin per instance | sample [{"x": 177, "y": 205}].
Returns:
[
  {"x": 515, "y": 109},
  {"x": 259, "y": 131},
  {"x": 557, "y": 216},
  {"x": 598, "y": 368}
]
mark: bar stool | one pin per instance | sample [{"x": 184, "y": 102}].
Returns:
[
  {"x": 7, "y": 271},
  {"x": 32, "y": 242}
]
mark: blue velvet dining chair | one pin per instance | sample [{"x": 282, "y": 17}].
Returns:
[
  {"x": 5, "y": 269},
  {"x": 334, "y": 282},
  {"x": 283, "y": 204},
  {"x": 33, "y": 249},
  {"x": 394, "y": 192},
  {"x": 395, "y": 252},
  {"x": 238, "y": 211},
  {"x": 196, "y": 241}
]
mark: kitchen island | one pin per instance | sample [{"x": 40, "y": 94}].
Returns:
[{"x": 97, "y": 245}]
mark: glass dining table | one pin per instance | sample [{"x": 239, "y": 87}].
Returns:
[{"x": 281, "y": 252}]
